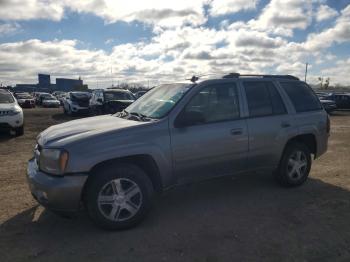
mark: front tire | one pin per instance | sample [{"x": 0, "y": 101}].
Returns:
[
  {"x": 295, "y": 165},
  {"x": 119, "y": 197}
]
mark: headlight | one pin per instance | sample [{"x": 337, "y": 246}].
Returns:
[
  {"x": 15, "y": 111},
  {"x": 53, "y": 161}
]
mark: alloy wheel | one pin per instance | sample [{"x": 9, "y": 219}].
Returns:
[
  {"x": 297, "y": 165},
  {"x": 119, "y": 199}
]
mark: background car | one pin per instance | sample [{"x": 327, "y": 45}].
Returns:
[
  {"x": 11, "y": 114},
  {"x": 76, "y": 103},
  {"x": 110, "y": 101},
  {"x": 328, "y": 105},
  {"x": 50, "y": 101},
  {"x": 25, "y": 100},
  {"x": 42, "y": 97}
]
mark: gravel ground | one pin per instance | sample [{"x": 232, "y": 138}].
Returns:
[{"x": 246, "y": 218}]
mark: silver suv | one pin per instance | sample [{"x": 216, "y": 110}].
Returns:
[{"x": 176, "y": 133}]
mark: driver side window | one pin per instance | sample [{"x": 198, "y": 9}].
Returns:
[{"x": 215, "y": 103}]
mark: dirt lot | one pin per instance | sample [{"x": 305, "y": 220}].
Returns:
[{"x": 248, "y": 218}]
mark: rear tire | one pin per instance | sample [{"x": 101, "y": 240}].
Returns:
[
  {"x": 119, "y": 197},
  {"x": 295, "y": 165}
]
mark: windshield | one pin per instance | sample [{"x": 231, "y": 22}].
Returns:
[
  {"x": 159, "y": 101},
  {"x": 109, "y": 96},
  {"x": 80, "y": 96},
  {"x": 6, "y": 98}
]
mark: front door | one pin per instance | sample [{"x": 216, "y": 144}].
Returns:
[{"x": 218, "y": 144}]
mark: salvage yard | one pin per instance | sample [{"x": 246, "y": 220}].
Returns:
[{"x": 248, "y": 217}]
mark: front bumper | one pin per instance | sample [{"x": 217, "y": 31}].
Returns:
[
  {"x": 56, "y": 193},
  {"x": 8, "y": 122}
]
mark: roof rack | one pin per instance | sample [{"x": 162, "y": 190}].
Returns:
[{"x": 237, "y": 75}]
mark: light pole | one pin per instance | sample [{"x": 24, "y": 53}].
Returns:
[{"x": 306, "y": 65}]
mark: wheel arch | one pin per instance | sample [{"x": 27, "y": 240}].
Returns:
[
  {"x": 307, "y": 139},
  {"x": 143, "y": 161}
]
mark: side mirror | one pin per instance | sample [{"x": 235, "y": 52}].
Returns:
[{"x": 189, "y": 118}]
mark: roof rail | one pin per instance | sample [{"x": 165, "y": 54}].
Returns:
[{"x": 237, "y": 75}]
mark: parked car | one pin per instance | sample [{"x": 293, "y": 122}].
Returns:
[
  {"x": 61, "y": 97},
  {"x": 25, "y": 100},
  {"x": 342, "y": 100},
  {"x": 110, "y": 101},
  {"x": 50, "y": 101},
  {"x": 178, "y": 133},
  {"x": 76, "y": 103},
  {"x": 11, "y": 114},
  {"x": 57, "y": 94},
  {"x": 42, "y": 97},
  {"x": 140, "y": 93},
  {"x": 328, "y": 105}
]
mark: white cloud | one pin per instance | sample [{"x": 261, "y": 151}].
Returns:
[
  {"x": 283, "y": 16},
  {"x": 158, "y": 12},
  {"x": 325, "y": 12},
  {"x": 338, "y": 74},
  {"x": 339, "y": 33},
  {"x": 31, "y": 9},
  {"x": 223, "y": 7},
  {"x": 9, "y": 28}
]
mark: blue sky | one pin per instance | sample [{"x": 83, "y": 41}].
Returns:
[{"x": 161, "y": 41}]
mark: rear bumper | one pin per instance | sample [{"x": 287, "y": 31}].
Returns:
[{"x": 55, "y": 193}]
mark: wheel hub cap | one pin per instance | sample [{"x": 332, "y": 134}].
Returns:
[
  {"x": 297, "y": 165},
  {"x": 119, "y": 199}
]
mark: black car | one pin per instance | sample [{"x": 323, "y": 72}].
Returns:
[
  {"x": 110, "y": 101},
  {"x": 342, "y": 100}
]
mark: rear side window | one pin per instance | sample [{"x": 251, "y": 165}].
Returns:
[
  {"x": 263, "y": 99},
  {"x": 302, "y": 97}
]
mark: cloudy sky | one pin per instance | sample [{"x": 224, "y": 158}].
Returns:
[{"x": 160, "y": 41}]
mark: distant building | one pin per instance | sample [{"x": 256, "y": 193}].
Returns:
[
  {"x": 44, "y": 85},
  {"x": 64, "y": 84},
  {"x": 25, "y": 88},
  {"x": 44, "y": 81}
]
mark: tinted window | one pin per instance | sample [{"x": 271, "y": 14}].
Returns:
[
  {"x": 302, "y": 97},
  {"x": 277, "y": 103},
  {"x": 263, "y": 99},
  {"x": 216, "y": 103}
]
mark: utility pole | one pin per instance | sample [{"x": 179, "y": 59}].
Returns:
[{"x": 306, "y": 65}]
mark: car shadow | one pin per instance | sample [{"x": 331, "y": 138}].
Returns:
[
  {"x": 5, "y": 136},
  {"x": 244, "y": 218}
]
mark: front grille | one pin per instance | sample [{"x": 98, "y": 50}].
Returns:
[
  {"x": 4, "y": 113},
  {"x": 83, "y": 103}
]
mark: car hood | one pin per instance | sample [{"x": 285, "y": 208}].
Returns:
[
  {"x": 74, "y": 131},
  {"x": 7, "y": 106},
  {"x": 50, "y": 101}
]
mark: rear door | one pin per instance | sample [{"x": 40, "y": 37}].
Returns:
[
  {"x": 218, "y": 145},
  {"x": 269, "y": 124}
]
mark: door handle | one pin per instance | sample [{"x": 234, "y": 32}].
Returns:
[
  {"x": 285, "y": 124},
  {"x": 236, "y": 131}
]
